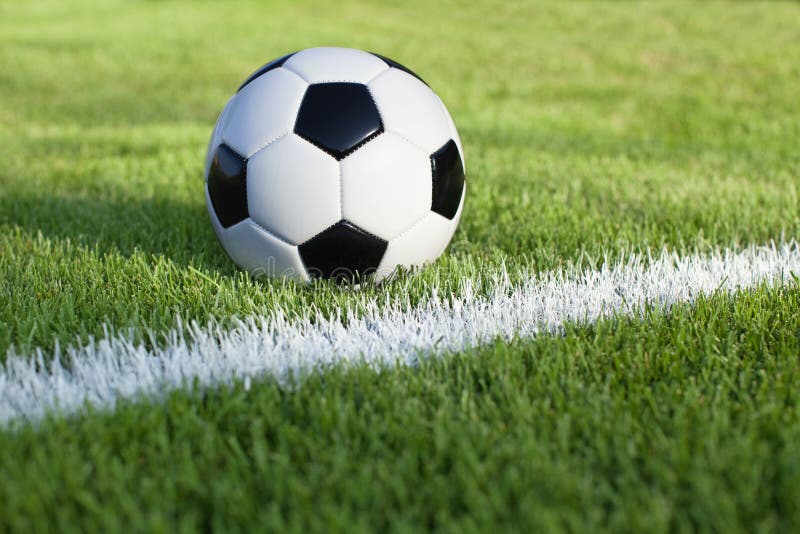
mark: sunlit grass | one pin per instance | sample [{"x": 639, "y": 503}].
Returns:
[{"x": 590, "y": 131}]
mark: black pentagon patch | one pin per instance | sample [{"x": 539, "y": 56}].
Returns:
[
  {"x": 343, "y": 252},
  {"x": 274, "y": 64},
  {"x": 396, "y": 65},
  {"x": 338, "y": 117},
  {"x": 227, "y": 186},
  {"x": 448, "y": 180}
]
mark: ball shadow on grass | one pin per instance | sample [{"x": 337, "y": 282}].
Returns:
[{"x": 179, "y": 231}]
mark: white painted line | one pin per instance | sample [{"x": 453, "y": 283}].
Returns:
[{"x": 113, "y": 368}]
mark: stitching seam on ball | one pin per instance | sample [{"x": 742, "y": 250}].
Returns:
[
  {"x": 351, "y": 223},
  {"x": 381, "y": 73},
  {"x": 433, "y": 181},
  {"x": 265, "y": 145},
  {"x": 341, "y": 193},
  {"x": 338, "y": 80},
  {"x": 349, "y": 151},
  {"x": 410, "y": 228},
  {"x": 272, "y": 234},
  {"x": 409, "y": 141},
  {"x": 364, "y": 141},
  {"x": 284, "y": 66}
]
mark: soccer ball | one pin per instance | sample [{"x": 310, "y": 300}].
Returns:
[{"x": 334, "y": 163}]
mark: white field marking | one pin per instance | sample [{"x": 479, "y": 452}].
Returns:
[{"x": 384, "y": 334}]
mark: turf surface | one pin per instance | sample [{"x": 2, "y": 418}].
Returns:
[
  {"x": 590, "y": 130},
  {"x": 686, "y": 422},
  {"x": 578, "y": 145}
]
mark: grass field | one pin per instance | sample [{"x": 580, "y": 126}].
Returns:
[{"x": 591, "y": 131}]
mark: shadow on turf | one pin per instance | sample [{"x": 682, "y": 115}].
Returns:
[{"x": 155, "y": 226}]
